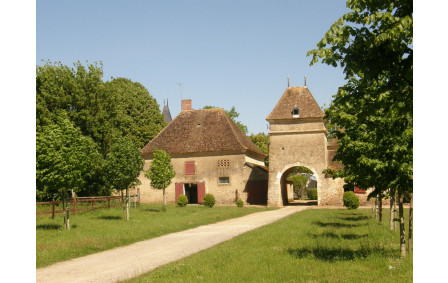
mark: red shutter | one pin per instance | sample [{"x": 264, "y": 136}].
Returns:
[
  {"x": 179, "y": 190},
  {"x": 359, "y": 191},
  {"x": 201, "y": 191},
  {"x": 190, "y": 168}
]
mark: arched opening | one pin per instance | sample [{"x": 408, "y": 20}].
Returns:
[{"x": 299, "y": 186}]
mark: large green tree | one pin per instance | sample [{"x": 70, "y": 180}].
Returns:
[
  {"x": 65, "y": 160},
  {"x": 102, "y": 110},
  {"x": 372, "y": 112},
  {"x": 261, "y": 140},
  {"x": 136, "y": 113},
  {"x": 80, "y": 93},
  {"x": 122, "y": 167},
  {"x": 161, "y": 172}
]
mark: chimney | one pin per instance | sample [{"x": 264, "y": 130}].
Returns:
[{"x": 186, "y": 104}]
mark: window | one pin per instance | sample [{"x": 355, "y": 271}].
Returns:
[
  {"x": 223, "y": 163},
  {"x": 190, "y": 168},
  {"x": 295, "y": 112},
  {"x": 224, "y": 180}
]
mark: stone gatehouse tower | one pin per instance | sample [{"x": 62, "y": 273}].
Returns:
[{"x": 298, "y": 138}]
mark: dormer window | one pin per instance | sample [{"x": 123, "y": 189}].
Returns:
[{"x": 295, "y": 112}]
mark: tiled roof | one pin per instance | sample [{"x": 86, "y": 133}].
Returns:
[
  {"x": 332, "y": 146},
  {"x": 301, "y": 97},
  {"x": 201, "y": 131},
  {"x": 334, "y": 165}
]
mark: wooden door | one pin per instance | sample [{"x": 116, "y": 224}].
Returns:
[
  {"x": 179, "y": 188},
  {"x": 201, "y": 191}
]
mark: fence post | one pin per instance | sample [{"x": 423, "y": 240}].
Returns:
[
  {"x": 74, "y": 206},
  {"x": 138, "y": 196},
  {"x": 52, "y": 213},
  {"x": 92, "y": 203}
]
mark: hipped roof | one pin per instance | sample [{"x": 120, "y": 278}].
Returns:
[
  {"x": 201, "y": 131},
  {"x": 300, "y": 96}
]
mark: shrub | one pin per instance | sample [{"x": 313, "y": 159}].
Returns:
[
  {"x": 182, "y": 201},
  {"x": 312, "y": 194},
  {"x": 209, "y": 200},
  {"x": 239, "y": 203},
  {"x": 351, "y": 201}
]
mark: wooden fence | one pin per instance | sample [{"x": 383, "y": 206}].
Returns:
[{"x": 78, "y": 204}]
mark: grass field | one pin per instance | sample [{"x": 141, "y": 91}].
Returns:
[
  {"x": 310, "y": 246},
  {"x": 99, "y": 230}
]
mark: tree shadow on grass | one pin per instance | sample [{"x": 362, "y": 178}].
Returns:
[
  {"x": 353, "y": 236},
  {"x": 49, "y": 226},
  {"x": 154, "y": 209},
  {"x": 338, "y": 224},
  {"x": 110, "y": 217},
  {"x": 355, "y": 218},
  {"x": 339, "y": 254},
  {"x": 337, "y": 236},
  {"x": 54, "y": 226}
]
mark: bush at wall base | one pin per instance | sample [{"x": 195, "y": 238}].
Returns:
[
  {"x": 312, "y": 193},
  {"x": 182, "y": 201},
  {"x": 351, "y": 201},
  {"x": 239, "y": 203},
  {"x": 209, "y": 200}
]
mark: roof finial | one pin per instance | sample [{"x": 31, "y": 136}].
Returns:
[
  {"x": 305, "y": 79},
  {"x": 288, "y": 80}
]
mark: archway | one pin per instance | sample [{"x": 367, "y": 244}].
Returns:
[{"x": 305, "y": 194}]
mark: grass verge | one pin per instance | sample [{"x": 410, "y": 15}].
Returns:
[
  {"x": 310, "y": 246},
  {"x": 99, "y": 230}
]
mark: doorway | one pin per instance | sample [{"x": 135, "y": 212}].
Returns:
[
  {"x": 299, "y": 186},
  {"x": 191, "y": 192}
]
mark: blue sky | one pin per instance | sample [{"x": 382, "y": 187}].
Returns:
[{"x": 224, "y": 53}]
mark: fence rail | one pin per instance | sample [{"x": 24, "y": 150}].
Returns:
[{"x": 78, "y": 204}]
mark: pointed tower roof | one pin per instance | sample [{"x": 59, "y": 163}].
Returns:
[
  {"x": 201, "y": 131},
  {"x": 292, "y": 97},
  {"x": 166, "y": 112}
]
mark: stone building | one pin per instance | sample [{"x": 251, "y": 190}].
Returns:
[
  {"x": 210, "y": 154},
  {"x": 298, "y": 137}
]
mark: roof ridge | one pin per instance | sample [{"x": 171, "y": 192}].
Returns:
[
  {"x": 141, "y": 150},
  {"x": 229, "y": 123}
]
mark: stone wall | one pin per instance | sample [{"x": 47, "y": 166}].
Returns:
[
  {"x": 208, "y": 171},
  {"x": 300, "y": 143}
]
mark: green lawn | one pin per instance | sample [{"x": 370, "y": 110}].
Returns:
[
  {"x": 99, "y": 230},
  {"x": 310, "y": 246}
]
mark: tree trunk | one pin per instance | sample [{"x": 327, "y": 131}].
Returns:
[
  {"x": 374, "y": 207},
  {"x": 127, "y": 204},
  {"x": 122, "y": 204},
  {"x": 380, "y": 209},
  {"x": 164, "y": 201},
  {"x": 392, "y": 213},
  {"x": 63, "y": 209},
  {"x": 395, "y": 211},
  {"x": 402, "y": 232},
  {"x": 68, "y": 213},
  {"x": 410, "y": 226}
]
